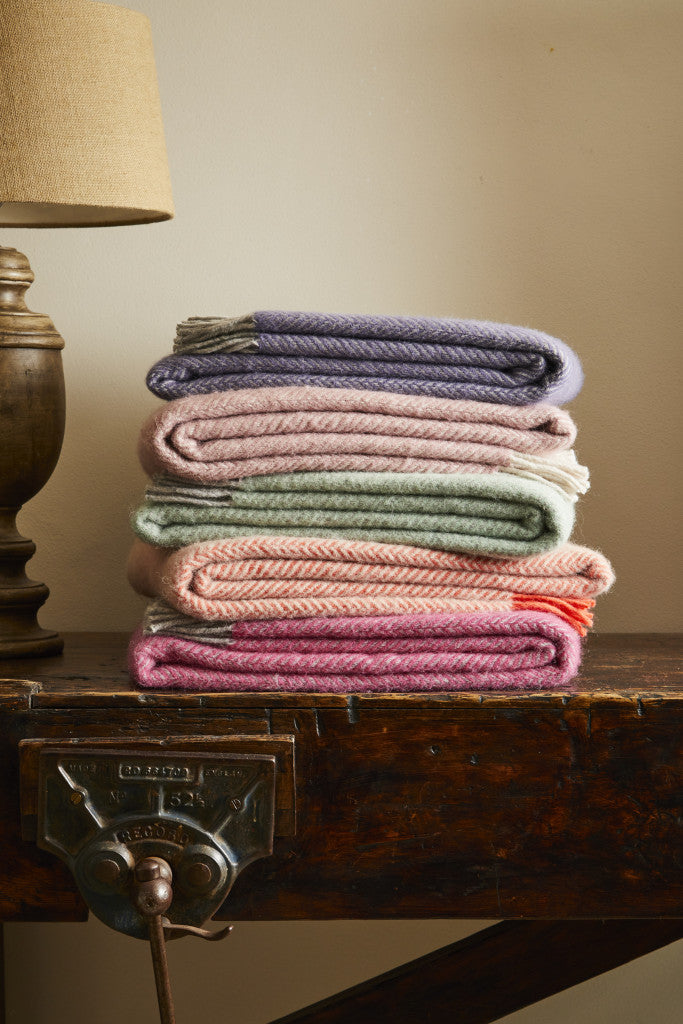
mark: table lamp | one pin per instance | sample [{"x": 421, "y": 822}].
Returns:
[{"x": 81, "y": 145}]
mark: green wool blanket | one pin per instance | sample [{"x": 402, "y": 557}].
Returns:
[{"x": 501, "y": 514}]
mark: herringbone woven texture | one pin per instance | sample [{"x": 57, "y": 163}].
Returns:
[
  {"x": 297, "y": 577},
  {"x": 514, "y": 650},
  {"x": 497, "y": 514},
  {"x": 227, "y": 435},
  {"x": 444, "y": 358}
]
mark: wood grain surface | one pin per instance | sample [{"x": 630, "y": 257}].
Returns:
[
  {"x": 549, "y": 805},
  {"x": 32, "y": 415}
]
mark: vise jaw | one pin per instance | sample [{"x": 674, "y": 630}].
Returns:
[{"x": 207, "y": 807}]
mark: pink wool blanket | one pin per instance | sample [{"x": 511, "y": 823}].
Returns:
[
  {"x": 299, "y": 577},
  {"x": 256, "y": 432},
  {"x": 503, "y": 651}
]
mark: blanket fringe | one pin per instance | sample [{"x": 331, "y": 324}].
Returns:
[{"x": 204, "y": 334}]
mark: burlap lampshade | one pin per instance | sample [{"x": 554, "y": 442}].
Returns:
[
  {"x": 81, "y": 136},
  {"x": 81, "y": 145}
]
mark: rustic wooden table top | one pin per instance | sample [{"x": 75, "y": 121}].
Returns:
[
  {"x": 556, "y": 804},
  {"x": 92, "y": 672},
  {"x": 560, "y": 812}
]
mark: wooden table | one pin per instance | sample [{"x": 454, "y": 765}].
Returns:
[{"x": 557, "y": 814}]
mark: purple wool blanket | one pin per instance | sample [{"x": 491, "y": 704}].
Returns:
[
  {"x": 443, "y": 358},
  {"x": 471, "y": 651}
]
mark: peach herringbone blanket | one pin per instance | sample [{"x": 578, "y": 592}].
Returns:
[
  {"x": 299, "y": 577},
  {"x": 257, "y": 432}
]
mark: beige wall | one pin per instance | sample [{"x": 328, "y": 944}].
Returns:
[{"x": 514, "y": 160}]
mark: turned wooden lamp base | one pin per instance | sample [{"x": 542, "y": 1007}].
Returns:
[
  {"x": 20, "y": 597},
  {"x": 32, "y": 408}
]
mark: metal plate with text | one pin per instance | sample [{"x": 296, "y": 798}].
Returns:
[{"x": 208, "y": 814}]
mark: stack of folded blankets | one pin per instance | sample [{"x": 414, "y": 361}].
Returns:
[{"x": 361, "y": 503}]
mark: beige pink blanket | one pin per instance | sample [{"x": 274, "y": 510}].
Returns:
[
  {"x": 300, "y": 577},
  {"x": 256, "y": 432}
]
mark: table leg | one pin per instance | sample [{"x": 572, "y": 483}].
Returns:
[
  {"x": 2, "y": 974},
  {"x": 492, "y": 973}
]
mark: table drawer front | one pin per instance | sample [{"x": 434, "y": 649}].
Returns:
[{"x": 490, "y": 813}]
